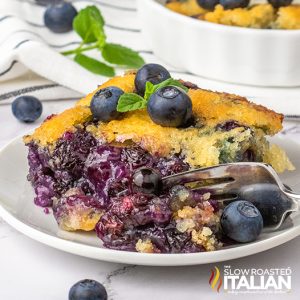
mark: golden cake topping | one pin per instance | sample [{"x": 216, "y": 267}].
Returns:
[{"x": 202, "y": 144}]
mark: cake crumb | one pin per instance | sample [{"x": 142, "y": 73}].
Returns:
[
  {"x": 187, "y": 212},
  {"x": 144, "y": 246},
  {"x": 206, "y": 196},
  {"x": 185, "y": 225},
  {"x": 205, "y": 238}
]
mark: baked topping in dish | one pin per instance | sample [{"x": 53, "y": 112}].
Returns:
[
  {"x": 99, "y": 164},
  {"x": 277, "y": 14}
]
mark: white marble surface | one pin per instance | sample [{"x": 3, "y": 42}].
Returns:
[{"x": 32, "y": 271}]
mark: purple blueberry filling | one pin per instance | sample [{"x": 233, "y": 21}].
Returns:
[
  {"x": 229, "y": 125},
  {"x": 99, "y": 170},
  {"x": 248, "y": 155},
  {"x": 52, "y": 174},
  {"x": 83, "y": 173}
]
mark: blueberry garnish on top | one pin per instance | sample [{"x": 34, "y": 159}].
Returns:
[
  {"x": 241, "y": 221},
  {"x": 104, "y": 104},
  {"x": 170, "y": 106},
  {"x": 87, "y": 289},
  {"x": 59, "y": 16},
  {"x": 150, "y": 72},
  {"x": 208, "y": 4},
  {"x": 165, "y": 98},
  {"x": 231, "y": 4},
  {"x": 27, "y": 109},
  {"x": 279, "y": 3}
]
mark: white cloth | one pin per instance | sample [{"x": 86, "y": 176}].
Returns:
[
  {"x": 26, "y": 44},
  {"x": 28, "y": 47}
]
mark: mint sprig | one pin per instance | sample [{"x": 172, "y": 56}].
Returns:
[
  {"x": 89, "y": 25},
  {"x": 94, "y": 65},
  {"x": 152, "y": 88},
  {"x": 132, "y": 101}
]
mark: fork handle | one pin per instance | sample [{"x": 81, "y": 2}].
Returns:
[{"x": 291, "y": 194}]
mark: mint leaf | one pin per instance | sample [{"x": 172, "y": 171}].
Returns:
[
  {"x": 120, "y": 55},
  {"x": 100, "y": 35},
  {"x": 151, "y": 88},
  {"x": 89, "y": 24},
  {"x": 94, "y": 65},
  {"x": 130, "y": 101}
]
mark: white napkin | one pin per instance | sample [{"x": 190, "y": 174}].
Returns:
[{"x": 27, "y": 45}]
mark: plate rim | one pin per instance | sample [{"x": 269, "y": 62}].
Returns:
[{"x": 146, "y": 259}]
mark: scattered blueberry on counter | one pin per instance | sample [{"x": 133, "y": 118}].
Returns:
[
  {"x": 104, "y": 104},
  {"x": 241, "y": 221},
  {"x": 87, "y": 289},
  {"x": 231, "y": 4},
  {"x": 27, "y": 108},
  {"x": 59, "y": 16},
  {"x": 153, "y": 73},
  {"x": 170, "y": 106}
]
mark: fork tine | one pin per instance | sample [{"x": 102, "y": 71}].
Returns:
[
  {"x": 216, "y": 172},
  {"x": 248, "y": 171},
  {"x": 224, "y": 199},
  {"x": 219, "y": 188},
  {"x": 225, "y": 182}
]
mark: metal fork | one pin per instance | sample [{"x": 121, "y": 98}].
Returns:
[{"x": 226, "y": 182}]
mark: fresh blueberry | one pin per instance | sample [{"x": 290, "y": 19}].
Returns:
[
  {"x": 279, "y": 3},
  {"x": 104, "y": 104},
  {"x": 150, "y": 72},
  {"x": 27, "y": 108},
  {"x": 87, "y": 289},
  {"x": 146, "y": 180},
  {"x": 59, "y": 17},
  {"x": 231, "y": 4},
  {"x": 170, "y": 106},
  {"x": 241, "y": 221},
  {"x": 269, "y": 200},
  {"x": 208, "y": 4}
]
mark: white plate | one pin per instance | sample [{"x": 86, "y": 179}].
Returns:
[{"x": 17, "y": 208}]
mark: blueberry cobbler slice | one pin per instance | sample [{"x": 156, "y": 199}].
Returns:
[{"x": 99, "y": 164}]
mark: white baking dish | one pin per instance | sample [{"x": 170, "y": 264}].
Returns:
[{"x": 241, "y": 55}]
